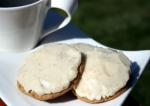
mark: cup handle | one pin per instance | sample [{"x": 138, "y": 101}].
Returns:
[{"x": 68, "y": 6}]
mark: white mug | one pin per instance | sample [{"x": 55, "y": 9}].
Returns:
[{"x": 21, "y": 22}]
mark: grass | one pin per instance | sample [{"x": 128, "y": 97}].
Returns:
[{"x": 121, "y": 24}]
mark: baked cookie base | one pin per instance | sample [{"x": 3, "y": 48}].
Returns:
[
  {"x": 121, "y": 91},
  {"x": 44, "y": 97}
]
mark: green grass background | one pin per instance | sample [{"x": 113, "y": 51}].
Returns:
[{"x": 121, "y": 24}]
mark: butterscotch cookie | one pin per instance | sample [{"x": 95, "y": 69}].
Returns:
[
  {"x": 105, "y": 75},
  {"x": 50, "y": 71}
]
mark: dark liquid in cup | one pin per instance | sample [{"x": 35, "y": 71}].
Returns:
[{"x": 15, "y": 3}]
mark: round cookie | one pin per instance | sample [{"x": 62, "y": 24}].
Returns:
[
  {"x": 105, "y": 75},
  {"x": 50, "y": 71}
]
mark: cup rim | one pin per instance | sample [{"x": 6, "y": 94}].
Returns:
[{"x": 21, "y": 7}]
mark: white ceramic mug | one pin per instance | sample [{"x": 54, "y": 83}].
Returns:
[{"x": 21, "y": 22}]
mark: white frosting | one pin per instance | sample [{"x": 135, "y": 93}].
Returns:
[
  {"x": 50, "y": 69},
  {"x": 105, "y": 72}
]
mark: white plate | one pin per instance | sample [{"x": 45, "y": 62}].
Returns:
[{"x": 9, "y": 64}]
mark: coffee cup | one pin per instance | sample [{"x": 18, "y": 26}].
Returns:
[{"x": 21, "y": 22}]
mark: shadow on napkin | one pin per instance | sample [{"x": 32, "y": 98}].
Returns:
[
  {"x": 69, "y": 96},
  {"x": 134, "y": 74},
  {"x": 66, "y": 33}
]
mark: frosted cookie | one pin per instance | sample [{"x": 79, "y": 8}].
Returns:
[
  {"x": 50, "y": 71},
  {"x": 105, "y": 75}
]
